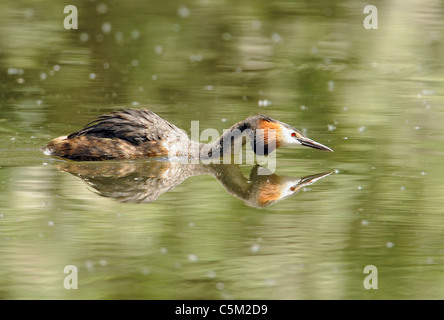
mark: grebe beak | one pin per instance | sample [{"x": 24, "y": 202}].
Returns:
[{"x": 313, "y": 144}]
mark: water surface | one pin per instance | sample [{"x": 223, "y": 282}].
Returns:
[{"x": 374, "y": 96}]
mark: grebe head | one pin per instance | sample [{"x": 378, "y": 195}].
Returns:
[{"x": 286, "y": 135}]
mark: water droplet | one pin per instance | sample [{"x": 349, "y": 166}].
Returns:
[
  {"x": 135, "y": 34},
  {"x": 106, "y": 27},
  {"x": 226, "y": 36},
  {"x": 101, "y": 8},
  {"x": 220, "y": 286},
  {"x": 211, "y": 274},
  {"x": 163, "y": 250},
  {"x": 50, "y": 223},
  {"x": 192, "y": 257},
  {"x": 389, "y": 244},
  {"x": 183, "y": 11},
  {"x": 255, "y": 248},
  {"x": 276, "y": 38},
  {"x": 89, "y": 265},
  {"x": 92, "y": 76},
  {"x": 84, "y": 37},
  {"x": 158, "y": 49},
  {"x": 103, "y": 262}
]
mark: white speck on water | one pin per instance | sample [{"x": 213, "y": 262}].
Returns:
[
  {"x": 428, "y": 106},
  {"x": 238, "y": 70},
  {"x": 423, "y": 173},
  {"x": 29, "y": 13},
  {"x": 264, "y": 103},
  {"x": 56, "y": 67},
  {"x": 84, "y": 37},
  {"x": 270, "y": 282},
  {"x": 427, "y": 92},
  {"x": 191, "y": 225},
  {"x": 389, "y": 244},
  {"x": 345, "y": 108},
  {"x": 106, "y": 27},
  {"x": 135, "y": 34},
  {"x": 135, "y": 63},
  {"x": 2, "y": 215},
  {"x": 195, "y": 57},
  {"x": 163, "y": 250},
  {"x": 154, "y": 77},
  {"x": 20, "y": 80},
  {"x": 374, "y": 64},
  {"x": 223, "y": 120},
  {"x": 103, "y": 262},
  {"x": 275, "y": 37},
  {"x": 345, "y": 138},
  {"x": 13, "y": 139},
  {"x": 176, "y": 27},
  {"x": 359, "y": 187},
  {"x": 417, "y": 127},
  {"x": 402, "y": 188},
  {"x": 50, "y": 223},
  {"x": 365, "y": 223},
  {"x": 304, "y": 107},
  {"x": 105, "y": 65},
  {"x": 211, "y": 274},
  {"x": 101, "y": 8},
  {"x": 337, "y": 171},
  {"x": 209, "y": 87},
  {"x": 183, "y": 11},
  {"x": 15, "y": 71},
  {"x": 43, "y": 76},
  {"x": 256, "y": 24},
  {"x": 419, "y": 96},
  {"x": 331, "y": 127},
  {"x": 158, "y": 49},
  {"x": 45, "y": 163},
  {"x": 146, "y": 271},
  {"x": 220, "y": 286},
  {"x": 331, "y": 86},
  {"x": 192, "y": 257},
  {"x": 118, "y": 37},
  {"x": 362, "y": 129},
  {"x": 140, "y": 89},
  {"x": 39, "y": 102},
  {"x": 92, "y": 76},
  {"x": 255, "y": 248},
  {"x": 89, "y": 265},
  {"x": 135, "y": 104},
  {"x": 226, "y": 36}
]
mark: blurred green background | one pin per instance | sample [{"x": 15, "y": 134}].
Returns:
[{"x": 374, "y": 96}]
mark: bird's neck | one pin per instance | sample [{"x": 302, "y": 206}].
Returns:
[{"x": 231, "y": 142}]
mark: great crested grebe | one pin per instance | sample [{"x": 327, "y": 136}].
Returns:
[{"x": 140, "y": 133}]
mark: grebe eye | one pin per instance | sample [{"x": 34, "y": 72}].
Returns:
[
  {"x": 293, "y": 134},
  {"x": 292, "y": 188}
]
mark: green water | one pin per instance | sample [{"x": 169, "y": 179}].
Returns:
[{"x": 374, "y": 96}]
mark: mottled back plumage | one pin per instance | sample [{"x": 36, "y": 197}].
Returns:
[{"x": 133, "y": 125}]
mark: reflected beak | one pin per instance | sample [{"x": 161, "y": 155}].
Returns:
[{"x": 313, "y": 144}]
